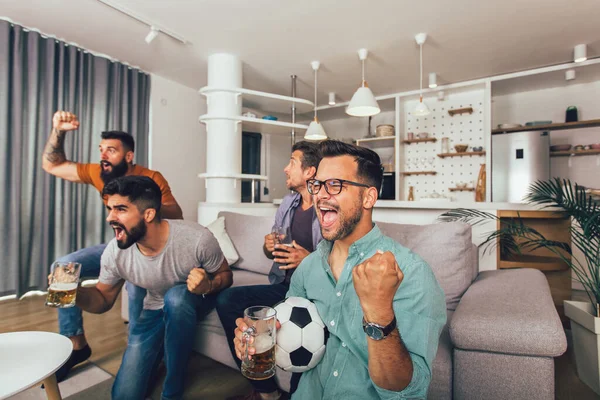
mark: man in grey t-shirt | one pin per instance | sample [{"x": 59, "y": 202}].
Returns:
[{"x": 181, "y": 266}]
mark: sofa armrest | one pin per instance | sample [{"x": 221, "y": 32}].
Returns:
[{"x": 510, "y": 312}]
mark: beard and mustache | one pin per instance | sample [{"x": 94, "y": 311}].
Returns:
[
  {"x": 347, "y": 220},
  {"x": 115, "y": 172},
  {"x": 131, "y": 236}
]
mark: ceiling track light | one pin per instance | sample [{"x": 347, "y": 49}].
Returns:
[
  {"x": 363, "y": 103},
  {"x": 152, "y": 34},
  {"x": 421, "y": 109},
  {"x": 331, "y": 98},
  {"x": 580, "y": 53},
  {"x": 124, "y": 10},
  {"x": 432, "y": 80},
  {"x": 315, "y": 130}
]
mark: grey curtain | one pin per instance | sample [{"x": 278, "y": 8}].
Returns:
[{"x": 43, "y": 217}]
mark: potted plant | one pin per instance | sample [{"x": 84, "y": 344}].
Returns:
[{"x": 514, "y": 237}]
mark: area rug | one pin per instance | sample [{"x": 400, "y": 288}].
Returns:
[{"x": 81, "y": 380}]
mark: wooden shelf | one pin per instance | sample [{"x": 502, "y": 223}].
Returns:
[
  {"x": 462, "y": 154},
  {"x": 538, "y": 262},
  {"x": 376, "y": 142},
  {"x": 460, "y": 111},
  {"x": 418, "y": 173},
  {"x": 455, "y": 189},
  {"x": 574, "y": 153},
  {"x": 551, "y": 127},
  {"x": 409, "y": 141}
]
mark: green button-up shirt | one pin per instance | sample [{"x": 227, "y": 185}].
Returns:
[{"x": 420, "y": 310}]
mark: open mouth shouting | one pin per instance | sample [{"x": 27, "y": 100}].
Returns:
[
  {"x": 328, "y": 215},
  {"x": 120, "y": 231},
  {"x": 105, "y": 165}
]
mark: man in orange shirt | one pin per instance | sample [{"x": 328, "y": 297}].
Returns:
[{"x": 116, "y": 160}]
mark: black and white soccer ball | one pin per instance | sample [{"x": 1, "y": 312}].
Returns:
[{"x": 302, "y": 336}]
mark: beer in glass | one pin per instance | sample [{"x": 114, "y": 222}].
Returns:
[
  {"x": 64, "y": 280},
  {"x": 261, "y": 322}
]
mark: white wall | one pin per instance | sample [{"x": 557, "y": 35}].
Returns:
[
  {"x": 551, "y": 104},
  {"x": 178, "y": 141}
]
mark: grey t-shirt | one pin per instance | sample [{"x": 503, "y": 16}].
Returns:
[{"x": 189, "y": 246}]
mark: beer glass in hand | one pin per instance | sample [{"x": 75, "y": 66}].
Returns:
[
  {"x": 63, "y": 281},
  {"x": 261, "y": 334}
]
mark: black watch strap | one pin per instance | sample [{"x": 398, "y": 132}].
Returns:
[{"x": 376, "y": 331}]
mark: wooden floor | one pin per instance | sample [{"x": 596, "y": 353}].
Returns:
[{"x": 207, "y": 379}]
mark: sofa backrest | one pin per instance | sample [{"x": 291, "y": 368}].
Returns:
[
  {"x": 447, "y": 247},
  {"x": 247, "y": 232}
]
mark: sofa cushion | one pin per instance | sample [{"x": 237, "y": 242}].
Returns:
[
  {"x": 446, "y": 247},
  {"x": 247, "y": 232},
  {"x": 217, "y": 227}
]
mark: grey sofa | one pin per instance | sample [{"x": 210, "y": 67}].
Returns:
[{"x": 502, "y": 332}]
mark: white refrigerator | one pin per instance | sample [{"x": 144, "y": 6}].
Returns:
[{"x": 518, "y": 160}]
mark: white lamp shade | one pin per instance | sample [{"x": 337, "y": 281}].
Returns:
[
  {"x": 421, "y": 109},
  {"x": 315, "y": 131},
  {"x": 363, "y": 103}
]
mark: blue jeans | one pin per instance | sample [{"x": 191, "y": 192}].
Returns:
[
  {"x": 70, "y": 320},
  {"x": 169, "y": 331}
]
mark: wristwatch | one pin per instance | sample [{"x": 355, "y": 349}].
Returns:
[{"x": 376, "y": 331}]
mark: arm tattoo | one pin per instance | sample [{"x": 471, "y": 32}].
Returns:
[{"x": 55, "y": 148}]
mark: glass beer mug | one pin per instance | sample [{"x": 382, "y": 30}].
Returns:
[
  {"x": 261, "y": 322},
  {"x": 64, "y": 280}
]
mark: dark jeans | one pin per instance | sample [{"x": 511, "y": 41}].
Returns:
[
  {"x": 169, "y": 331},
  {"x": 231, "y": 304}
]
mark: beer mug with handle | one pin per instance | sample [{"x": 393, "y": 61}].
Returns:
[
  {"x": 261, "y": 321},
  {"x": 64, "y": 280}
]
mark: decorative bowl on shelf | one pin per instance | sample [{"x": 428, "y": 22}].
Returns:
[
  {"x": 478, "y": 148},
  {"x": 578, "y": 147},
  {"x": 461, "y": 148},
  {"x": 270, "y": 118},
  {"x": 595, "y": 146},
  {"x": 508, "y": 126},
  {"x": 249, "y": 114},
  {"x": 534, "y": 123},
  {"x": 560, "y": 147},
  {"x": 384, "y": 130},
  {"x": 461, "y": 185},
  {"x": 423, "y": 135}
]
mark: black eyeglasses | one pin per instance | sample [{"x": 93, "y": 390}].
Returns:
[{"x": 332, "y": 186}]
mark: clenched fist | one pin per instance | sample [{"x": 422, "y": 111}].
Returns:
[
  {"x": 65, "y": 121},
  {"x": 198, "y": 281},
  {"x": 376, "y": 281}
]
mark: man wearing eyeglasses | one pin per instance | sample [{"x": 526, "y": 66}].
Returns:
[
  {"x": 297, "y": 218},
  {"x": 381, "y": 303}
]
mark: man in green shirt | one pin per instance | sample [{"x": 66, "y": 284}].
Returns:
[{"x": 380, "y": 302}]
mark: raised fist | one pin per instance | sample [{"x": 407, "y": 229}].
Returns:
[{"x": 65, "y": 121}]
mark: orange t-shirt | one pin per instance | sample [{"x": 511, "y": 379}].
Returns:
[{"x": 90, "y": 174}]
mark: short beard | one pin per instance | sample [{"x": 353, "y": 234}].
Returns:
[
  {"x": 117, "y": 171},
  {"x": 347, "y": 224},
  {"x": 135, "y": 235}
]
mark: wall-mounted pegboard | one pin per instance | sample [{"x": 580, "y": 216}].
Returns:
[{"x": 461, "y": 128}]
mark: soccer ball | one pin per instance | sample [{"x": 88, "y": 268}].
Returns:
[{"x": 301, "y": 338}]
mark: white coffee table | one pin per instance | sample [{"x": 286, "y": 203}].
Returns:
[{"x": 28, "y": 358}]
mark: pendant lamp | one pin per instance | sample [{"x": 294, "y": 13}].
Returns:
[
  {"x": 315, "y": 130},
  {"x": 363, "y": 103},
  {"x": 421, "y": 109}
]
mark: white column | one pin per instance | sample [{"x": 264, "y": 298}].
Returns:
[{"x": 224, "y": 137}]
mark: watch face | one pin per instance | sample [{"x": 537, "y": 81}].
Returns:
[{"x": 373, "y": 332}]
